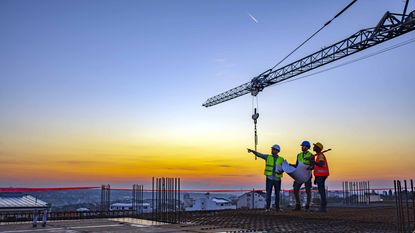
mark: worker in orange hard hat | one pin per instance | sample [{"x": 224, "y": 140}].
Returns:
[{"x": 321, "y": 172}]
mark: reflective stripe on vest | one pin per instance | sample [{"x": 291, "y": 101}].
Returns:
[
  {"x": 305, "y": 158},
  {"x": 269, "y": 165},
  {"x": 321, "y": 171}
]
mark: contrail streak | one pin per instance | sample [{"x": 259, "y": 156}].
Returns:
[{"x": 253, "y": 18}]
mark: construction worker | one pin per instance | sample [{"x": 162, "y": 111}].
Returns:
[
  {"x": 273, "y": 172},
  {"x": 35, "y": 217},
  {"x": 44, "y": 217},
  {"x": 321, "y": 172},
  {"x": 307, "y": 158}
]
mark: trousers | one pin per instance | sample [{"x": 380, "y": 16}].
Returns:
[
  {"x": 297, "y": 187},
  {"x": 276, "y": 184}
]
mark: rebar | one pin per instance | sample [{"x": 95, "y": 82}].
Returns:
[
  {"x": 413, "y": 203},
  {"x": 138, "y": 199},
  {"x": 356, "y": 192},
  {"x": 166, "y": 199},
  {"x": 105, "y": 198},
  {"x": 403, "y": 206},
  {"x": 368, "y": 189},
  {"x": 152, "y": 199},
  {"x": 407, "y": 204}
]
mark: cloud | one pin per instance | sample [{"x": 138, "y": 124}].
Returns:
[
  {"x": 219, "y": 60},
  {"x": 182, "y": 168},
  {"x": 10, "y": 162},
  {"x": 81, "y": 162},
  {"x": 237, "y": 175},
  {"x": 223, "y": 62},
  {"x": 228, "y": 166}
]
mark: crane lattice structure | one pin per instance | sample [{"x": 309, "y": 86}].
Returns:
[{"x": 390, "y": 26}]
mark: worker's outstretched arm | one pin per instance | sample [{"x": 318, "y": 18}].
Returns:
[{"x": 262, "y": 156}]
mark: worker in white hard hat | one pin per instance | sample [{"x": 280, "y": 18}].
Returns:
[{"x": 273, "y": 172}]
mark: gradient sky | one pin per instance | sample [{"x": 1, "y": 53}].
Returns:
[{"x": 98, "y": 92}]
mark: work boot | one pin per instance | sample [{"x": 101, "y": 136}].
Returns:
[
  {"x": 297, "y": 207},
  {"x": 307, "y": 207}
]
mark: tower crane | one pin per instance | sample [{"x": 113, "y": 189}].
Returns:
[{"x": 390, "y": 26}]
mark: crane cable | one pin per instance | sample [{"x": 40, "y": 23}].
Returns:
[
  {"x": 315, "y": 33},
  {"x": 255, "y": 116},
  {"x": 412, "y": 40}
]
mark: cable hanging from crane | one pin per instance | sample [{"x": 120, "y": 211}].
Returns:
[
  {"x": 315, "y": 33},
  {"x": 390, "y": 26},
  {"x": 255, "y": 116},
  {"x": 257, "y": 88}
]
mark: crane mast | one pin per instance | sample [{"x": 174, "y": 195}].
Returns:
[{"x": 390, "y": 26}]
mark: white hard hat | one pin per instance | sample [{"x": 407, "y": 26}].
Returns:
[{"x": 277, "y": 147}]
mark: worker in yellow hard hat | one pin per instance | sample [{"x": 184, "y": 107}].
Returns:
[{"x": 321, "y": 172}]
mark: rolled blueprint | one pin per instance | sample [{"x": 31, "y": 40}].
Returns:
[{"x": 300, "y": 173}]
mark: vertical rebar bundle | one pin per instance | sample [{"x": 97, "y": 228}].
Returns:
[
  {"x": 356, "y": 192},
  {"x": 405, "y": 210},
  {"x": 105, "y": 198},
  {"x": 166, "y": 205},
  {"x": 138, "y": 199}
]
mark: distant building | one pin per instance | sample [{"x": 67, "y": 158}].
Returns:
[
  {"x": 188, "y": 201},
  {"x": 334, "y": 194},
  {"x": 82, "y": 209},
  {"x": 211, "y": 203},
  {"x": 142, "y": 207},
  {"x": 251, "y": 200},
  {"x": 373, "y": 197},
  {"x": 18, "y": 203},
  {"x": 121, "y": 206}
]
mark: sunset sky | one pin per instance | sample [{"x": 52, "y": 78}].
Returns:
[{"x": 106, "y": 91}]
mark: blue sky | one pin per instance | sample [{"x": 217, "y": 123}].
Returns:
[{"x": 127, "y": 72}]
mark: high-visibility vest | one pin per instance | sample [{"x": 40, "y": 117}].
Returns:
[
  {"x": 305, "y": 158},
  {"x": 269, "y": 165},
  {"x": 321, "y": 171}
]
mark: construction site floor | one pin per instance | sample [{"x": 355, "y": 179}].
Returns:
[{"x": 336, "y": 220}]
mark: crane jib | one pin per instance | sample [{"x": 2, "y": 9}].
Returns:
[{"x": 390, "y": 26}]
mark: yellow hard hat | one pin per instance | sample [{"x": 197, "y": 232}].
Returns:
[{"x": 319, "y": 145}]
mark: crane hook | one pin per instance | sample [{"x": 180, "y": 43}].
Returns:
[{"x": 255, "y": 117}]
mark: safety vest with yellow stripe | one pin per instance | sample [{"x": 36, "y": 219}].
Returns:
[
  {"x": 321, "y": 171},
  {"x": 305, "y": 158},
  {"x": 269, "y": 165}
]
